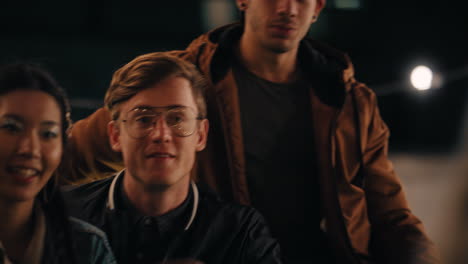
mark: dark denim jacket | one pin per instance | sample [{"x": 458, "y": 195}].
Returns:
[{"x": 91, "y": 243}]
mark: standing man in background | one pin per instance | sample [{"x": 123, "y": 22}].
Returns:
[{"x": 292, "y": 134}]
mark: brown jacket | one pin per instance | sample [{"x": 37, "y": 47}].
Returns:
[{"x": 366, "y": 215}]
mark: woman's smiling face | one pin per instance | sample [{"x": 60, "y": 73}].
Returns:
[{"x": 31, "y": 143}]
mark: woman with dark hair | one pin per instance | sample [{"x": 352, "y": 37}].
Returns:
[{"x": 34, "y": 226}]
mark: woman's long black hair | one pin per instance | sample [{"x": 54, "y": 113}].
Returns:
[{"x": 58, "y": 247}]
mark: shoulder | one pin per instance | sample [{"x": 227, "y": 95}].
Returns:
[
  {"x": 91, "y": 243},
  {"x": 245, "y": 229},
  {"x": 81, "y": 227},
  {"x": 83, "y": 190},
  {"x": 212, "y": 51},
  {"x": 363, "y": 92},
  {"x": 87, "y": 200},
  {"x": 234, "y": 213},
  {"x": 366, "y": 103}
]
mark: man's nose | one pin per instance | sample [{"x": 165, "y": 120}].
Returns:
[
  {"x": 161, "y": 132},
  {"x": 287, "y": 7},
  {"x": 29, "y": 145}
]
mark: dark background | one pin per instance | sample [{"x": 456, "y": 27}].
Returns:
[{"x": 84, "y": 42}]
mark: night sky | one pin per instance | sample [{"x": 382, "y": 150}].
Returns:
[{"x": 83, "y": 42}]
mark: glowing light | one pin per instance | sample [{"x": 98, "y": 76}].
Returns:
[
  {"x": 347, "y": 4},
  {"x": 421, "y": 78}
]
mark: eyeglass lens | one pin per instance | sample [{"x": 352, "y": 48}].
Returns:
[{"x": 181, "y": 121}]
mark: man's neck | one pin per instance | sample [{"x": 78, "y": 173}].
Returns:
[
  {"x": 269, "y": 65},
  {"x": 154, "y": 201}
]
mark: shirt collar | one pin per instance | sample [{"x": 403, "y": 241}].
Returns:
[{"x": 115, "y": 190}]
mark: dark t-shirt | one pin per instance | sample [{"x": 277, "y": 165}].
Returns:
[{"x": 278, "y": 144}]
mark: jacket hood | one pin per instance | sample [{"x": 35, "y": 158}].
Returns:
[{"x": 327, "y": 67}]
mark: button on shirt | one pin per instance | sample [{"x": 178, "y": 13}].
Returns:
[{"x": 150, "y": 238}]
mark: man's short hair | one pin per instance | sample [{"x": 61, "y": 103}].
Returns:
[{"x": 147, "y": 70}]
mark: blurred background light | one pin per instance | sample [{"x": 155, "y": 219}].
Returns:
[
  {"x": 347, "y": 4},
  {"x": 216, "y": 13},
  {"x": 421, "y": 77}
]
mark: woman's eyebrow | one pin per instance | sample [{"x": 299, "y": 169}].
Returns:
[
  {"x": 49, "y": 123},
  {"x": 13, "y": 116}
]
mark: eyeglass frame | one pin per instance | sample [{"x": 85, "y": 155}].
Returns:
[{"x": 167, "y": 109}]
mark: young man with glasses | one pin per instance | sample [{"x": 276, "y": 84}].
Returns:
[
  {"x": 294, "y": 135},
  {"x": 152, "y": 211}
]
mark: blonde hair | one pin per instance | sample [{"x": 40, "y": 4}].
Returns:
[{"x": 147, "y": 70}]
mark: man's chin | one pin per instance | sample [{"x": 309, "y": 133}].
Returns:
[
  {"x": 280, "y": 47},
  {"x": 153, "y": 182},
  {"x": 156, "y": 186}
]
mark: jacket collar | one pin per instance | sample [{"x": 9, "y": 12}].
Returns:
[
  {"x": 110, "y": 205},
  {"x": 329, "y": 69}
]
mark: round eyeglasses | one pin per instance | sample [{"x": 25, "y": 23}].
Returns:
[{"x": 181, "y": 120}]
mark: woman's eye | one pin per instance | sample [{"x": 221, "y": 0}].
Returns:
[
  {"x": 49, "y": 134},
  {"x": 10, "y": 126}
]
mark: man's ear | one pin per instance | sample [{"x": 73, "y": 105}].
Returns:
[
  {"x": 242, "y": 4},
  {"x": 113, "y": 130},
  {"x": 202, "y": 134},
  {"x": 318, "y": 8}
]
